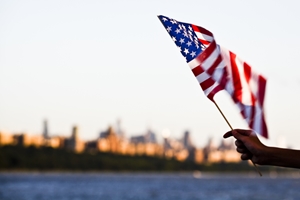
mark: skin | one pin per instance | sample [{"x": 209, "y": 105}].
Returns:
[{"x": 251, "y": 148}]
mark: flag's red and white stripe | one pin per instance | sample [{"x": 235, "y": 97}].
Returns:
[
  {"x": 208, "y": 67},
  {"x": 216, "y": 69},
  {"x": 247, "y": 89}
]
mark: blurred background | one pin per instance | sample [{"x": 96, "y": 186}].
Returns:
[
  {"x": 103, "y": 78},
  {"x": 92, "y": 63}
]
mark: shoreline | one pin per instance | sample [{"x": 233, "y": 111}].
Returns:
[{"x": 194, "y": 174}]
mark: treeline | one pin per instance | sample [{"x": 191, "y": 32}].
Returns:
[{"x": 49, "y": 159}]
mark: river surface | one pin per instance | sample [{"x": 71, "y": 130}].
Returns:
[{"x": 148, "y": 186}]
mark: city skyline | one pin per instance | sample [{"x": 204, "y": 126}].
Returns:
[
  {"x": 113, "y": 140},
  {"x": 159, "y": 137},
  {"x": 91, "y": 63}
]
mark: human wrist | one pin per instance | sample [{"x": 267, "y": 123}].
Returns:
[
  {"x": 272, "y": 156},
  {"x": 264, "y": 155}
]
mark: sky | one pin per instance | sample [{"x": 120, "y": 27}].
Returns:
[{"x": 90, "y": 63}]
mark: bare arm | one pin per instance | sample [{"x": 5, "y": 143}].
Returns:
[{"x": 250, "y": 147}]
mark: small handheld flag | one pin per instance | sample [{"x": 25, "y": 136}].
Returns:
[{"x": 217, "y": 68}]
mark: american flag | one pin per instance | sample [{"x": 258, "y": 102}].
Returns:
[{"x": 217, "y": 68}]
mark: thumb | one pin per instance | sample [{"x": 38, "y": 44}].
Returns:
[
  {"x": 241, "y": 134},
  {"x": 227, "y": 134},
  {"x": 238, "y": 134}
]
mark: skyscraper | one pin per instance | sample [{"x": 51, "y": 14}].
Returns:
[
  {"x": 187, "y": 142},
  {"x": 45, "y": 129}
]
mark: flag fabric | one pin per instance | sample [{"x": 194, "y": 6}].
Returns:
[
  {"x": 247, "y": 90},
  {"x": 217, "y": 68}
]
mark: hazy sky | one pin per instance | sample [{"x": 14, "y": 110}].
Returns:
[{"x": 89, "y": 63}]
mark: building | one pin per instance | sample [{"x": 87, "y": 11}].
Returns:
[
  {"x": 74, "y": 143},
  {"x": 148, "y": 137},
  {"x": 55, "y": 142},
  {"x": 26, "y": 139},
  {"x": 225, "y": 152},
  {"x": 109, "y": 141},
  {"x": 146, "y": 144},
  {"x": 113, "y": 140},
  {"x": 187, "y": 141},
  {"x": 45, "y": 129}
]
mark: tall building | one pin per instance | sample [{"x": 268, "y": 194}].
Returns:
[
  {"x": 45, "y": 129},
  {"x": 75, "y": 133},
  {"x": 187, "y": 142},
  {"x": 74, "y": 143}
]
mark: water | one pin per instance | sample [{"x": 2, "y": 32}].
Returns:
[{"x": 143, "y": 186}]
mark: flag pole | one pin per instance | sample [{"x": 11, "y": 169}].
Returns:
[{"x": 256, "y": 168}]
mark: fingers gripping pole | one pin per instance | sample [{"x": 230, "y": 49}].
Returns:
[{"x": 232, "y": 130}]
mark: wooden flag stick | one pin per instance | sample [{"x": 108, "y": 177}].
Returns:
[{"x": 232, "y": 130}]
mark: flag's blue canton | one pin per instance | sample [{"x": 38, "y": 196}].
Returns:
[{"x": 184, "y": 37}]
